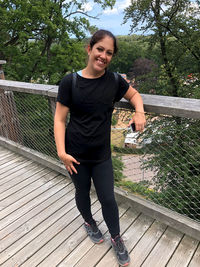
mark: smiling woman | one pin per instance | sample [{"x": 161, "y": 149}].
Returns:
[
  {"x": 84, "y": 146},
  {"x": 100, "y": 52}
]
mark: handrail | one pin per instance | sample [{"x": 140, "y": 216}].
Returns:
[{"x": 168, "y": 105}]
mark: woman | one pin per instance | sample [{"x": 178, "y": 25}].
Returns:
[{"x": 84, "y": 146}]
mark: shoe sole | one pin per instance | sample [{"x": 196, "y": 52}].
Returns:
[
  {"x": 121, "y": 264},
  {"x": 101, "y": 241},
  {"x": 94, "y": 241}
]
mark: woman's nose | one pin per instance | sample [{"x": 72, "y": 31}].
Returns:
[{"x": 103, "y": 54}]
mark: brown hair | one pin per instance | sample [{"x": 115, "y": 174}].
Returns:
[{"x": 99, "y": 35}]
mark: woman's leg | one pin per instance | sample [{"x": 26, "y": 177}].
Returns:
[
  {"x": 82, "y": 183},
  {"x": 103, "y": 179}
]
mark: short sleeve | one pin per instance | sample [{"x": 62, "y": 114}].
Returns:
[
  {"x": 65, "y": 91},
  {"x": 122, "y": 88}
]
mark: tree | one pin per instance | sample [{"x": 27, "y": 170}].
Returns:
[
  {"x": 129, "y": 48},
  {"x": 175, "y": 25},
  {"x": 143, "y": 74},
  {"x": 174, "y": 150},
  {"x": 36, "y": 37}
]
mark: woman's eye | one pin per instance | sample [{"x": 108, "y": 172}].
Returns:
[
  {"x": 109, "y": 53},
  {"x": 100, "y": 49}
]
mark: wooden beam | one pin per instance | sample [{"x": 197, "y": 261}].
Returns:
[{"x": 168, "y": 105}]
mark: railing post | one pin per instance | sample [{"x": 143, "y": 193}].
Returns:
[
  {"x": 2, "y": 76},
  {"x": 9, "y": 122}
]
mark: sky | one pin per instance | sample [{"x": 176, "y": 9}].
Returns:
[{"x": 110, "y": 19}]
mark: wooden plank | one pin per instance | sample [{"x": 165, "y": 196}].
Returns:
[
  {"x": 23, "y": 87},
  {"x": 32, "y": 203},
  {"x": 35, "y": 156},
  {"x": 164, "y": 249},
  {"x": 22, "y": 236},
  {"x": 17, "y": 188},
  {"x": 31, "y": 194},
  {"x": 183, "y": 254},
  {"x": 44, "y": 231},
  {"x": 4, "y": 154},
  {"x": 168, "y": 105},
  {"x": 3, "y": 150},
  {"x": 131, "y": 237},
  {"x": 36, "y": 220},
  {"x": 37, "y": 182},
  {"x": 176, "y": 106},
  {"x": 10, "y": 159},
  {"x": 196, "y": 258},
  {"x": 146, "y": 243},
  {"x": 16, "y": 180},
  {"x": 42, "y": 202},
  {"x": 13, "y": 168},
  {"x": 79, "y": 238},
  {"x": 50, "y": 240}
]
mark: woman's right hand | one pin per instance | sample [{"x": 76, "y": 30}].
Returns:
[{"x": 68, "y": 161}]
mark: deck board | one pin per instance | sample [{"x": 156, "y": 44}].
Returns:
[
  {"x": 196, "y": 258},
  {"x": 164, "y": 249},
  {"x": 13, "y": 169},
  {"x": 184, "y": 252},
  {"x": 147, "y": 242},
  {"x": 41, "y": 226},
  {"x": 19, "y": 183}
]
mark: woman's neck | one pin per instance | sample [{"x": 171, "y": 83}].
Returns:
[{"x": 91, "y": 73}]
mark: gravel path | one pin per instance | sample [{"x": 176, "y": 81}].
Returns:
[{"x": 132, "y": 169}]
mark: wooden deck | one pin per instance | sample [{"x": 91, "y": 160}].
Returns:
[{"x": 40, "y": 225}]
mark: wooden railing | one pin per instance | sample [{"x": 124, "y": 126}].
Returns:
[{"x": 176, "y": 106}]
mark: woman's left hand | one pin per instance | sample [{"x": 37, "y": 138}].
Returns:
[{"x": 139, "y": 120}]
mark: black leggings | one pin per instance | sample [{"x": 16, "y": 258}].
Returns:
[{"x": 102, "y": 175}]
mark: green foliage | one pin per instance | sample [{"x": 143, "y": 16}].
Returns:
[
  {"x": 114, "y": 120},
  {"x": 130, "y": 48},
  {"x": 32, "y": 111},
  {"x": 36, "y": 38},
  {"x": 140, "y": 188},
  {"x": 128, "y": 150},
  {"x": 175, "y": 36},
  {"x": 174, "y": 155},
  {"x": 117, "y": 168}
]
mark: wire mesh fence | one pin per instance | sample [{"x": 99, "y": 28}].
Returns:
[{"x": 162, "y": 164}]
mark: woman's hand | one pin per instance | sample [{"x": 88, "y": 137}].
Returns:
[
  {"x": 68, "y": 161},
  {"x": 139, "y": 120}
]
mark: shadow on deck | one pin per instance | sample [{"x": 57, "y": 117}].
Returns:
[{"x": 40, "y": 225}]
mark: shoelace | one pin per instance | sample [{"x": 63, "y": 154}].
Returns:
[
  {"x": 94, "y": 227},
  {"x": 119, "y": 243}
]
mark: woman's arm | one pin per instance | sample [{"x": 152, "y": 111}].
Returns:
[
  {"x": 59, "y": 127},
  {"x": 135, "y": 99},
  {"x": 59, "y": 134}
]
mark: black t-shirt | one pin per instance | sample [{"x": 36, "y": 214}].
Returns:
[{"x": 91, "y": 104}]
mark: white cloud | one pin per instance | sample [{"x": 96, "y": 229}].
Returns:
[
  {"x": 124, "y": 4},
  {"x": 111, "y": 11},
  {"x": 88, "y": 7},
  {"x": 118, "y": 8}
]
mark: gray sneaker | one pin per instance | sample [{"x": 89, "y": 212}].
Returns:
[
  {"x": 120, "y": 251},
  {"x": 93, "y": 232}
]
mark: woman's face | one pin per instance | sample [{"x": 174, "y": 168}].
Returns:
[{"x": 101, "y": 54}]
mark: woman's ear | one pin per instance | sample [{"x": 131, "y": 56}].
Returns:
[{"x": 88, "y": 49}]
